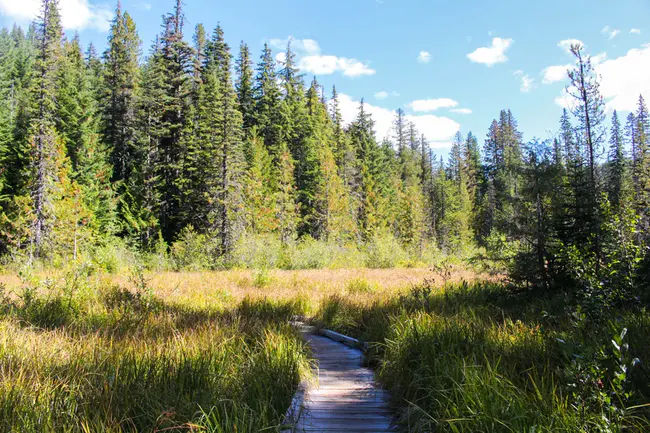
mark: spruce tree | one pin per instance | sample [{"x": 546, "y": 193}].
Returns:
[
  {"x": 176, "y": 57},
  {"x": 244, "y": 87},
  {"x": 121, "y": 83},
  {"x": 642, "y": 166},
  {"x": 46, "y": 154},
  {"x": 267, "y": 104},
  {"x": 589, "y": 111},
  {"x": 616, "y": 165}
]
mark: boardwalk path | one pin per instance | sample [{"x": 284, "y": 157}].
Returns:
[{"x": 346, "y": 398}]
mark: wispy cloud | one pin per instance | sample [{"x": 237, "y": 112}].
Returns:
[
  {"x": 527, "y": 82},
  {"x": 461, "y": 111},
  {"x": 555, "y": 73},
  {"x": 635, "y": 31},
  {"x": 610, "y": 32},
  {"x": 384, "y": 94}
]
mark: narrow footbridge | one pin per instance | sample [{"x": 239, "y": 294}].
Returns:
[{"x": 346, "y": 397}]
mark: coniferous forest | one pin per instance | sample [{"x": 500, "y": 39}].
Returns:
[
  {"x": 193, "y": 142},
  {"x": 187, "y": 154}
]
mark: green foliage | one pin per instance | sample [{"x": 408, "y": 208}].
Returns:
[
  {"x": 192, "y": 251},
  {"x": 472, "y": 357},
  {"x": 384, "y": 251}
]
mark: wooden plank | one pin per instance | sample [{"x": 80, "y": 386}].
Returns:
[{"x": 346, "y": 397}]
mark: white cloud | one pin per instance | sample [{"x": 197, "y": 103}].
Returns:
[
  {"x": 424, "y": 57},
  {"x": 621, "y": 80},
  {"x": 527, "y": 83},
  {"x": 461, "y": 111},
  {"x": 75, "y": 14},
  {"x": 492, "y": 55},
  {"x": 624, "y": 78},
  {"x": 299, "y": 46},
  {"x": 598, "y": 59},
  {"x": 610, "y": 32},
  {"x": 565, "y": 101},
  {"x": 635, "y": 31},
  {"x": 311, "y": 60},
  {"x": 424, "y": 105},
  {"x": 555, "y": 73},
  {"x": 566, "y": 44},
  {"x": 384, "y": 94},
  {"x": 439, "y": 131}
]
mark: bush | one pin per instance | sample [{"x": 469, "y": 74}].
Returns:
[
  {"x": 384, "y": 251},
  {"x": 257, "y": 251},
  {"x": 192, "y": 251},
  {"x": 113, "y": 256}
]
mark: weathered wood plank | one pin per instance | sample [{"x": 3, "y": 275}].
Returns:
[{"x": 346, "y": 398}]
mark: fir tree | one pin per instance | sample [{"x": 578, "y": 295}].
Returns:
[
  {"x": 616, "y": 165},
  {"x": 121, "y": 82},
  {"x": 244, "y": 87}
]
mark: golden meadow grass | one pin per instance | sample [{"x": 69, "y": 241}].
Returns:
[{"x": 213, "y": 351}]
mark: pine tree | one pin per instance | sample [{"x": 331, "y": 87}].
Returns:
[
  {"x": 78, "y": 122},
  {"x": 286, "y": 205},
  {"x": 140, "y": 204},
  {"x": 200, "y": 53},
  {"x": 177, "y": 58},
  {"x": 260, "y": 203},
  {"x": 229, "y": 152},
  {"x": 642, "y": 166}
]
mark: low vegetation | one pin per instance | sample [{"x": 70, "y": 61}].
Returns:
[
  {"x": 76, "y": 356},
  {"x": 468, "y": 357},
  {"x": 209, "y": 351}
]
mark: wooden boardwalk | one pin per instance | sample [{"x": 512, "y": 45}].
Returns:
[{"x": 346, "y": 398}]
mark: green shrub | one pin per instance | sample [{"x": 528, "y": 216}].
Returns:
[
  {"x": 192, "y": 251},
  {"x": 257, "y": 251},
  {"x": 384, "y": 251}
]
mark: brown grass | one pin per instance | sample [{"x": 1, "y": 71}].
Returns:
[{"x": 226, "y": 287}]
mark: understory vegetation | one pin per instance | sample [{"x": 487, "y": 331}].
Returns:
[
  {"x": 82, "y": 351},
  {"x": 479, "y": 358},
  {"x": 77, "y": 356}
]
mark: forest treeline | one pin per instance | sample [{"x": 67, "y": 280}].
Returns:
[{"x": 193, "y": 140}]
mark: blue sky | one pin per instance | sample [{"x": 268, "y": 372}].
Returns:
[{"x": 449, "y": 64}]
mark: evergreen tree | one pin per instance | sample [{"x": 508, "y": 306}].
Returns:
[
  {"x": 589, "y": 111},
  {"x": 260, "y": 203},
  {"x": 121, "y": 82},
  {"x": 267, "y": 104},
  {"x": 244, "y": 87},
  {"x": 46, "y": 147},
  {"x": 642, "y": 166},
  {"x": 176, "y": 57},
  {"x": 616, "y": 165}
]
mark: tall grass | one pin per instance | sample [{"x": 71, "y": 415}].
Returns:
[
  {"x": 116, "y": 360},
  {"x": 474, "y": 358}
]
